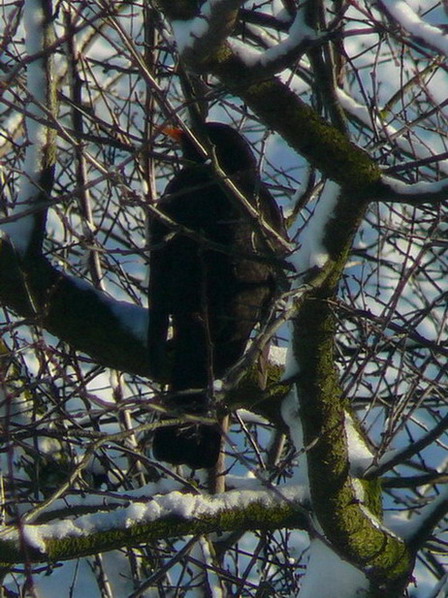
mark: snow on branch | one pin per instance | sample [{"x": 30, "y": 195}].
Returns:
[
  {"x": 26, "y": 233},
  {"x": 402, "y": 13},
  {"x": 279, "y": 56},
  {"x": 313, "y": 251},
  {"x": 171, "y": 515},
  {"x": 397, "y": 191},
  {"x": 201, "y": 36},
  {"x": 76, "y": 312}
]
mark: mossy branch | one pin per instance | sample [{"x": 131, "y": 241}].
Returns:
[
  {"x": 104, "y": 531},
  {"x": 337, "y": 499},
  {"x": 76, "y": 313}
]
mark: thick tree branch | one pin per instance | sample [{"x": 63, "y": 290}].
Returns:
[
  {"x": 280, "y": 108},
  {"x": 158, "y": 518},
  {"x": 336, "y": 499},
  {"x": 354, "y": 532},
  {"x": 401, "y": 14},
  {"x": 393, "y": 191},
  {"x": 74, "y": 311}
]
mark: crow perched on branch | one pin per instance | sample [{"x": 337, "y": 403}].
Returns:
[{"x": 206, "y": 284}]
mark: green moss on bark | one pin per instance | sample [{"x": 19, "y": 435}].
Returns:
[
  {"x": 256, "y": 516},
  {"x": 337, "y": 503}
]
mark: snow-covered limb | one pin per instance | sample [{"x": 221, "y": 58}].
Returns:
[
  {"x": 359, "y": 454},
  {"x": 37, "y": 179},
  {"x": 327, "y": 148},
  {"x": 175, "y": 514},
  {"x": 327, "y": 573},
  {"x": 201, "y": 36},
  {"x": 334, "y": 448},
  {"x": 281, "y": 55},
  {"x": 393, "y": 190},
  {"x": 74, "y": 311},
  {"x": 201, "y": 555},
  {"x": 402, "y": 13},
  {"x": 313, "y": 251}
]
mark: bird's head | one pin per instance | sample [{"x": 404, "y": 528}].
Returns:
[{"x": 232, "y": 150}]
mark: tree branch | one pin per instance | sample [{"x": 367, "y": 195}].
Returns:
[
  {"x": 160, "y": 517},
  {"x": 36, "y": 182},
  {"x": 393, "y": 191},
  {"x": 75, "y": 311}
]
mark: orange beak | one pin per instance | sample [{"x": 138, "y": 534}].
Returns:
[{"x": 174, "y": 132}]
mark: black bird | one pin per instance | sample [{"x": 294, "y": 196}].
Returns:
[{"x": 212, "y": 296}]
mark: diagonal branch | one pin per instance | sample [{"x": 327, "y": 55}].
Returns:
[{"x": 75, "y": 311}]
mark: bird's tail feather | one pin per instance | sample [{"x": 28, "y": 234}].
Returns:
[{"x": 196, "y": 445}]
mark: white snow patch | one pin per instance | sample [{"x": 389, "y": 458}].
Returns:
[
  {"x": 312, "y": 251},
  {"x": 416, "y": 188},
  {"x": 20, "y": 231},
  {"x": 250, "y": 56},
  {"x": 135, "y": 513},
  {"x": 359, "y": 111},
  {"x": 33, "y": 537},
  {"x": 360, "y": 455},
  {"x": 218, "y": 385},
  {"x": 186, "y": 32},
  {"x": 277, "y": 355},
  {"x": 298, "y": 33},
  {"x": 189, "y": 506}
]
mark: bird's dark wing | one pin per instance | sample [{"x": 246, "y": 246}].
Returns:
[
  {"x": 158, "y": 303},
  {"x": 175, "y": 271},
  {"x": 177, "y": 291}
]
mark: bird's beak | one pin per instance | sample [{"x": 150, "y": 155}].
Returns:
[{"x": 174, "y": 132}]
